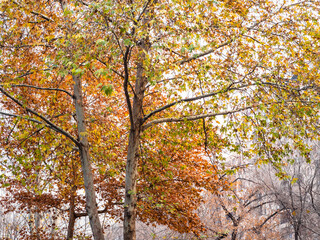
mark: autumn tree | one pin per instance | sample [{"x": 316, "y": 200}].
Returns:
[
  {"x": 39, "y": 99},
  {"x": 212, "y": 59},
  {"x": 165, "y": 62}
]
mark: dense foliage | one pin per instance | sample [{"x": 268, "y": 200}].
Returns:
[{"x": 139, "y": 103}]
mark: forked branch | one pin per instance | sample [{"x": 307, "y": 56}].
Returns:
[{"x": 229, "y": 88}]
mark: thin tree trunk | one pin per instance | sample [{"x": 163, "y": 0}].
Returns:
[
  {"x": 234, "y": 234},
  {"x": 72, "y": 217},
  {"x": 53, "y": 223},
  {"x": 130, "y": 211},
  {"x": 91, "y": 204},
  {"x": 297, "y": 231},
  {"x": 37, "y": 223},
  {"x": 30, "y": 222}
]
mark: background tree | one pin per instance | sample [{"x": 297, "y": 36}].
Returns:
[{"x": 297, "y": 195}]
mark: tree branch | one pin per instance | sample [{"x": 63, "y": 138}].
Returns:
[
  {"x": 125, "y": 84},
  {"x": 82, "y": 2},
  {"x": 196, "y": 56},
  {"x": 84, "y": 214},
  {"x": 269, "y": 217},
  {"x": 47, "y": 122},
  {"x": 191, "y": 99},
  {"x": 207, "y": 115},
  {"x": 116, "y": 72},
  {"x": 19, "y": 116},
  {"x": 194, "y": 117},
  {"x": 41, "y": 88},
  {"x": 36, "y": 13},
  {"x": 144, "y": 10},
  {"x": 42, "y": 16}
]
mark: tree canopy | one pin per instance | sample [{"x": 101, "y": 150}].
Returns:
[{"x": 139, "y": 103}]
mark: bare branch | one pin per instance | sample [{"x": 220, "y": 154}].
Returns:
[
  {"x": 27, "y": 46},
  {"x": 207, "y": 115},
  {"x": 116, "y": 72},
  {"x": 36, "y": 13},
  {"x": 42, "y": 16},
  {"x": 84, "y": 214},
  {"x": 271, "y": 216},
  {"x": 163, "y": 80},
  {"x": 82, "y": 2}
]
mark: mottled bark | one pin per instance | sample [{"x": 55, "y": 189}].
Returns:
[
  {"x": 130, "y": 210},
  {"x": 91, "y": 204}
]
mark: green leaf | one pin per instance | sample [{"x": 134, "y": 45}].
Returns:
[
  {"x": 67, "y": 12},
  {"x": 107, "y": 89},
  {"x": 191, "y": 47},
  {"x": 294, "y": 180},
  {"x": 77, "y": 71},
  {"x": 131, "y": 192},
  {"x": 127, "y": 42},
  {"x": 101, "y": 72},
  {"x": 101, "y": 42}
]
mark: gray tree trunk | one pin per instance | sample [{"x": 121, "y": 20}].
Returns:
[
  {"x": 37, "y": 223},
  {"x": 91, "y": 204},
  {"x": 130, "y": 211}
]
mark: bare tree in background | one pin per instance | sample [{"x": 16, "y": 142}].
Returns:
[{"x": 298, "y": 196}]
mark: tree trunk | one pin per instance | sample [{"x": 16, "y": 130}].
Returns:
[
  {"x": 53, "y": 223},
  {"x": 296, "y": 231},
  {"x": 130, "y": 211},
  {"x": 37, "y": 223},
  {"x": 91, "y": 204},
  {"x": 72, "y": 217}
]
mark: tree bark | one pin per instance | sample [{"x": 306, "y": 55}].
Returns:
[
  {"x": 72, "y": 216},
  {"x": 130, "y": 204},
  {"x": 37, "y": 223},
  {"x": 91, "y": 204},
  {"x": 130, "y": 211}
]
